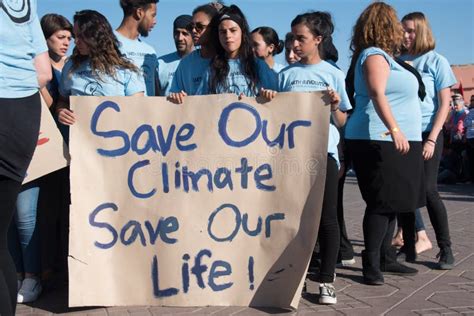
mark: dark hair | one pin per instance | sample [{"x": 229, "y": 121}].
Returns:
[
  {"x": 320, "y": 24},
  {"x": 270, "y": 36},
  {"x": 129, "y": 6},
  {"x": 209, "y": 9},
  {"x": 219, "y": 65},
  {"x": 51, "y": 23},
  {"x": 289, "y": 39},
  {"x": 329, "y": 50},
  {"x": 96, "y": 32}
]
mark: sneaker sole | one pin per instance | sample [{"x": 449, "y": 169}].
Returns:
[
  {"x": 399, "y": 273},
  {"x": 328, "y": 301},
  {"x": 445, "y": 266}
]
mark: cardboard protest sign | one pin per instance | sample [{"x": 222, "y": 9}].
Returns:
[
  {"x": 51, "y": 152},
  {"x": 213, "y": 202}
]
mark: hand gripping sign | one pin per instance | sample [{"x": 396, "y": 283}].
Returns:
[{"x": 215, "y": 201}]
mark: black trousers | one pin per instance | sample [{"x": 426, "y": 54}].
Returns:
[
  {"x": 378, "y": 231},
  {"x": 434, "y": 204},
  {"x": 470, "y": 157},
  {"x": 346, "y": 251},
  {"x": 9, "y": 190},
  {"x": 328, "y": 234}
]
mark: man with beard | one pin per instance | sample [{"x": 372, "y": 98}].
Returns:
[
  {"x": 167, "y": 64},
  {"x": 139, "y": 19}
]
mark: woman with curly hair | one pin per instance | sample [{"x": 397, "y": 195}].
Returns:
[
  {"x": 384, "y": 137},
  {"x": 96, "y": 67}
]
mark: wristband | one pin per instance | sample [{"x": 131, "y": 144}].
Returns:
[
  {"x": 393, "y": 130},
  {"x": 431, "y": 141},
  {"x": 335, "y": 110}
]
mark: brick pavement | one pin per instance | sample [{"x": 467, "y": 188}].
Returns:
[{"x": 431, "y": 292}]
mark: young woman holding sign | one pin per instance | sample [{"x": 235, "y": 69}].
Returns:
[
  {"x": 234, "y": 68},
  {"x": 96, "y": 67},
  {"x": 312, "y": 31}
]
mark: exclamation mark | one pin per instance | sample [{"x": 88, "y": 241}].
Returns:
[{"x": 251, "y": 277}]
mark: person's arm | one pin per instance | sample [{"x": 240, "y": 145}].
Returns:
[
  {"x": 46, "y": 96},
  {"x": 138, "y": 94},
  {"x": 444, "y": 97},
  {"x": 65, "y": 115},
  {"x": 377, "y": 71},
  {"x": 43, "y": 69},
  {"x": 338, "y": 117}
]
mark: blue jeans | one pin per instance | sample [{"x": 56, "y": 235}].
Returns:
[
  {"x": 23, "y": 235},
  {"x": 419, "y": 224}
]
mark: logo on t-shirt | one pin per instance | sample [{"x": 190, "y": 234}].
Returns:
[
  {"x": 19, "y": 11},
  {"x": 309, "y": 82},
  {"x": 93, "y": 88}
]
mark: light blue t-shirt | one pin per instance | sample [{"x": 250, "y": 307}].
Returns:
[
  {"x": 402, "y": 95},
  {"x": 318, "y": 77},
  {"x": 469, "y": 124},
  {"x": 82, "y": 82},
  {"x": 437, "y": 75},
  {"x": 190, "y": 76},
  {"x": 21, "y": 39},
  {"x": 238, "y": 83},
  {"x": 167, "y": 66},
  {"x": 143, "y": 56},
  {"x": 278, "y": 67}
]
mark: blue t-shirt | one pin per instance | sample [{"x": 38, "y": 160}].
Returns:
[
  {"x": 21, "y": 39},
  {"x": 437, "y": 75},
  {"x": 190, "y": 76},
  {"x": 318, "y": 77},
  {"x": 238, "y": 83},
  {"x": 82, "y": 82},
  {"x": 402, "y": 95},
  {"x": 53, "y": 85},
  {"x": 143, "y": 56},
  {"x": 167, "y": 65}
]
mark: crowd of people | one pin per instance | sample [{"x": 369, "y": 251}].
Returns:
[{"x": 390, "y": 117}]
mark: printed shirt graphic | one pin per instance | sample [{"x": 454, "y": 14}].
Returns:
[
  {"x": 402, "y": 94},
  {"x": 143, "y": 56},
  {"x": 82, "y": 82},
  {"x": 317, "y": 77},
  {"x": 238, "y": 83},
  {"x": 437, "y": 75},
  {"x": 167, "y": 65},
  {"x": 21, "y": 39}
]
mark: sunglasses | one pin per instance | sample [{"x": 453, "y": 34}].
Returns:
[{"x": 198, "y": 26}]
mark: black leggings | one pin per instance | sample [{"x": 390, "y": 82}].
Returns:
[
  {"x": 378, "y": 231},
  {"x": 9, "y": 190},
  {"x": 328, "y": 234}
]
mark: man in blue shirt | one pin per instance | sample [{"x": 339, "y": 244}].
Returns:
[
  {"x": 139, "y": 19},
  {"x": 167, "y": 64}
]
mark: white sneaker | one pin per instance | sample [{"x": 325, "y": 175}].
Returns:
[
  {"x": 29, "y": 291},
  {"x": 345, "y": 263},
  {"x": 327, "y": 294}
]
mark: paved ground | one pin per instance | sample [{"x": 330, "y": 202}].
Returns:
[{"x": 431, "y": 292}]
